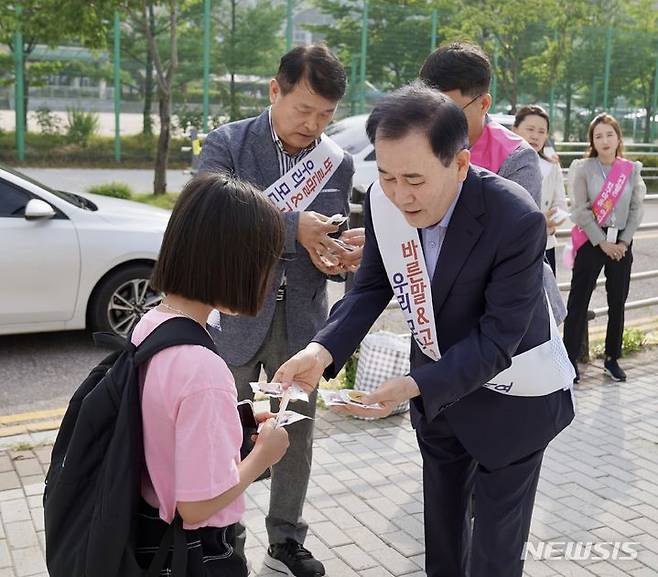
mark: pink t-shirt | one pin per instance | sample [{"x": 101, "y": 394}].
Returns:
[{"x": 192, "y": 430}]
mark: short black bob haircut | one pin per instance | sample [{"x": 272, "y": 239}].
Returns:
[
  {"x": 221, "y": 244},
  {"x": 458, "y": 66},
  {"x": 316, "y": 64},
  {"x": 418, "y": 107}
]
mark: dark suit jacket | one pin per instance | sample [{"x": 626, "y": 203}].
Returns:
[
  {"x": 245, "y": 148},
  {"x": 488, "y": 304}
]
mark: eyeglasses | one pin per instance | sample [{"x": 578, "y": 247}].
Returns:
[{"x": 471, "y": 101}]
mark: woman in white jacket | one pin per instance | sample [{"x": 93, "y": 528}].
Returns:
[{"x": 532, "y": 123}]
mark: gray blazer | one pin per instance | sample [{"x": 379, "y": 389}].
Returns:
[
  {"x": 586, "y": 178},
  {"x": 245, "y": 148},
  {"x": 522, "y": 167}
]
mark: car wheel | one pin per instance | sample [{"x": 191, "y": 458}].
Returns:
[{"x": 122, "y": 299}]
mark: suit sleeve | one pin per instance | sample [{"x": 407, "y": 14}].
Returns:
[
  {"x": 216, "y": 156},
  {"x": 511, "y": 295},
  {"x": 636, "y": 209},
  {"x": 351, "y": 317},
  {"x": 522, "y": 167}
]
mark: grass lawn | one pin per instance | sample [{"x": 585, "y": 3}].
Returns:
[{"x": 162, "y": 200}]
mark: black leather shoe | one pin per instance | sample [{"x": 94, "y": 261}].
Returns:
[
  {"x": 613, "y": 370},
  {"x": 292, "y": 559}
]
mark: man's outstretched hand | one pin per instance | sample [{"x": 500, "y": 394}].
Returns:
[
  {"x": 305, "y": 368},
  {"x": 389, "y": 395}
]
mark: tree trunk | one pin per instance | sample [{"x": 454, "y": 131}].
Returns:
[
  {"x": 162, "y": 154},
  {"x": 147, "y": 121},
  {"x": 148, "y": 82},
  {"x": 233, "y": 99}
]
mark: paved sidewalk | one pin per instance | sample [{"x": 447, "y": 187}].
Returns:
[{"x": 599, "y": 484}]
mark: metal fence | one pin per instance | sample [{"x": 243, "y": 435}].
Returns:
[{"x": 228, "y": 50}]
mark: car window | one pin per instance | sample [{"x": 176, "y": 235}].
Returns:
[
  {"x": 12, "y": 200},
  {"x": 69, "y": 197}
]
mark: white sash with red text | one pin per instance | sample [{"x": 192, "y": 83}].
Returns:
[
  {"x": 537, "y": 372},
  {"x": 298, "y": 187}
]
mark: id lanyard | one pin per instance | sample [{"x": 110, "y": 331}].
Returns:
[{"x": 613, "y": 231}]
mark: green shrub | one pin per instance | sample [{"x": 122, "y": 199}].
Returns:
[
  {"x": 48, "y": 122},
  {"x": 115, "y": 189},
  {"x": 81, "y": 126},
  {"x": 49, "y": 150},
  {"x": 632, "y": 342},
  {"x": 167, "y": 200},
  {"x": 349, "y": 376}
]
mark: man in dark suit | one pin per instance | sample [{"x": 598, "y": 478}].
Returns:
[
  {"x": 483, "y": 240},
  {"x": 304, "y": 95}
]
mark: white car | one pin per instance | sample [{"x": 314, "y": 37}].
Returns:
[
  {"x": 350, "y": 134},
  {"x": 74, "y": 261}
]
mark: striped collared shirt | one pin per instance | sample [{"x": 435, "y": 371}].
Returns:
[{"x": 286, "y": 161}]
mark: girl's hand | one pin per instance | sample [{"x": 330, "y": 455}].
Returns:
[
  {"x": 272, "y": 442},
  {"x": 263, "y": 416}
]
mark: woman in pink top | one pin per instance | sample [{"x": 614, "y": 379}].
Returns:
[{"x": 218, "y": 251}]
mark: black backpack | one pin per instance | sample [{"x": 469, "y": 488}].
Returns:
[{"x": 92, "y": 493}]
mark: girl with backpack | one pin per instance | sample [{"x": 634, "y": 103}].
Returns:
[{"x": 218, "y": 251}]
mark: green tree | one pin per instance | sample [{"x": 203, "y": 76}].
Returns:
[
  {"x": 513, "y": 30},
  {"x": 136, "y": 59},
  {"x": 399, "y": 35},
  {"x": 559, "y": 62},
  {"x": 250, "y": 41},
  {"x": 635, "y": 57},
  {"x": 53, "y": 22},
  {"x": 165, "y": 62}
]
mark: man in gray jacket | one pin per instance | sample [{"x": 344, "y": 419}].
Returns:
[
  {"x": 463, "y": 72},
  {"x": 304, "y": 95}
]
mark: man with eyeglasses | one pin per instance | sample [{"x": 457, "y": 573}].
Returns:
[{"x": 462, "y": 71}]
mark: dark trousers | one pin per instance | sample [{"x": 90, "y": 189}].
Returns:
[
  {"x": 504, "y": 497},
  {"x": 587, "y": 266}
]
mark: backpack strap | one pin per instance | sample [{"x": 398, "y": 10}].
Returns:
[
  {"x": 174, "y": 540},
  {"x": 173, "y": 332}
]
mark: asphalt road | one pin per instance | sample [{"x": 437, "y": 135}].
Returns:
[{"x": 79, "y": 179}]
